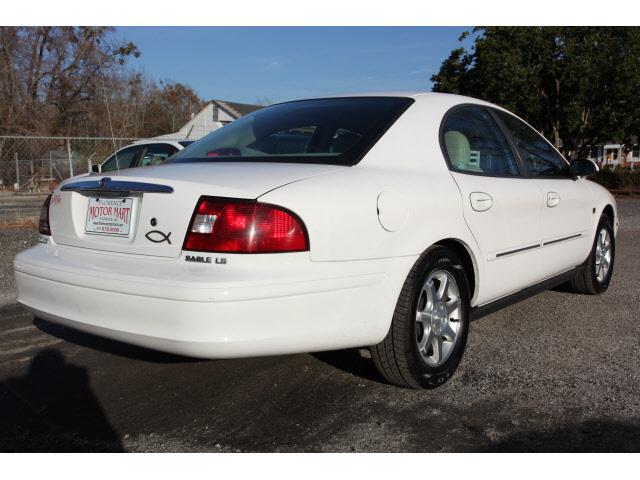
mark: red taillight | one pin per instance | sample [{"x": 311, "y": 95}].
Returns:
[
  {"x": 43, "y": 227},
  {"x": 244, "y": 227}
]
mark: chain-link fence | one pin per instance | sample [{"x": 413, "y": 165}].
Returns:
[{"x": 37, "y": 164}]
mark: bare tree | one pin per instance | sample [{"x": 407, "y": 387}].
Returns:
[{"x": 58, "y": 80}]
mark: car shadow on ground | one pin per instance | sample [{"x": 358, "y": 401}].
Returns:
[
  {"x": 106, "y": 345},
  {"x": 598, "y": 435},
  {"x": 53, "y": 409},
  {"x": 565, "y": 288},
  {"x": 352, "y": 361}
]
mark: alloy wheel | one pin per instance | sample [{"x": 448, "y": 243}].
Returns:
[{"x": 438, "y": 317}]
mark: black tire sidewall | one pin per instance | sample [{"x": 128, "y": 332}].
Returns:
[{"x": 440, "y": 258}]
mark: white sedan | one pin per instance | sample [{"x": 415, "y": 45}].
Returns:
[
  {"x": 387, "y": 221},
  {"x": 141, "y": 154}
]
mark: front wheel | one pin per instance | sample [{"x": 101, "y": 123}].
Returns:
[
  {"x": 596, "y": 276},
  {"x": 429, "y": 329}
]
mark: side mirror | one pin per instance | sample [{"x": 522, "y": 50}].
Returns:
[
  {"x": 95, "y": 168},
  {"x": 582, "y": 168}
]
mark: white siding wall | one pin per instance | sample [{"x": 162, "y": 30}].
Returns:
[{"x": 201, "y": 124}]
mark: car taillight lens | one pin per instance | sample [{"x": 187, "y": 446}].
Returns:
[
  {"x": 244, "y": 227},
  {"x": 43, "y": 227}
]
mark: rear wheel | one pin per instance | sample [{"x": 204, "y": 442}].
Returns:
[
  {"x": 429, "y": 329},
  {"x": 596, "y": 276}
]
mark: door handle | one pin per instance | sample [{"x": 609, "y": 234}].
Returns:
[
  {"x": 553, "y": 199},
  {"x": 480, "y": 201}
]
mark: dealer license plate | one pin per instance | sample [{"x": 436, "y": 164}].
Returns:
[{"x": 109, "y": 216}]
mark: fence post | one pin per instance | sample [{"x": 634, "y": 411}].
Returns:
[
  {"x": 69, "y": 155},
  {"x": 15, "y": 154}
]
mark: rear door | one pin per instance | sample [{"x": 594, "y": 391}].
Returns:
[
  {"x": 501, "y": 208},
  {"x": 567, "y": 211}
]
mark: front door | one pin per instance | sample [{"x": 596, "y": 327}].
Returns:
[{"x": 567, "y": 212}]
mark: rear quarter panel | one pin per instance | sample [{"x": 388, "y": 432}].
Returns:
[{"x": 341, "y": 210}]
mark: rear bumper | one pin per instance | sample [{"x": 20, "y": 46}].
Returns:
[{"x": 289, "y": 305}]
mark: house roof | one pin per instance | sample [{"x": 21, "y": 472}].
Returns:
[{"x": 237, "y": 110}]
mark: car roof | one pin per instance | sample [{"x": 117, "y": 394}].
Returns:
[
  {"x": 419, "y": 96},
  {"x": 151, "y": 140}
]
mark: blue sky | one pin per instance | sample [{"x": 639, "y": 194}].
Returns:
[{"x": 249, "y": 64}]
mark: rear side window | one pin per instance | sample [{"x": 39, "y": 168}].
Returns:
[
  {"x": 334, "y": 130},
  {"x": 156, "y": 153},
  {"x": 474, "y": 143},
  {"x": 540, "y": 158},
  {"x": 121, "y": 159}
]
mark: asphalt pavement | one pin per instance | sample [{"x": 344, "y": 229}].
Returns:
[{"x": 557, "y": 372}]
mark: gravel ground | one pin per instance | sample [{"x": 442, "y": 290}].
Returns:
[
  {"x": 17, "y": 208},
  {"x": 557, "y": 372},
  {"x": 12, "y": 240}
]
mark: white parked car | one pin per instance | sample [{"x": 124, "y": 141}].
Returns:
[
  {"x": 142, "y": 153},
  {"x": 388, "y": 221}
]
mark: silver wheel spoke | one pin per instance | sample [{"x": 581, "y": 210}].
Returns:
[
  {"x": 424, "y": 318},
  {"x": 443, "y": 290},
  {"x": 449, "y": 333},
  {"x": 452, "y": 307},
  {"x": 424, "y": 342},
  {"x": 436, "y": 344},
  {"x": 429, "y": 290}
]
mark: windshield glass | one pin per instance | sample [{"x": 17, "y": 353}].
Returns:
[{"x": 333, "y": 130}]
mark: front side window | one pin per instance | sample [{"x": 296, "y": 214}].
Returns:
[
  {"x": 156, "y": 153},
  {"x": 475, "y": 144},
  {"x": 540, "y": 158},
  {"x": 120, "y": 160},
  {"x": 336, "y": 131}
]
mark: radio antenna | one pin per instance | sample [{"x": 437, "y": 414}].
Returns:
[{"x": 106, "y": 102}]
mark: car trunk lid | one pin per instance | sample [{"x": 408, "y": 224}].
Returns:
[{"x": 146, "y": 211}]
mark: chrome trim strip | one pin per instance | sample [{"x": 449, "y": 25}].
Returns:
[
  {"x": 551, "y": 242},
  {"x": 517, "y": 250},
  {"x": 106, "y": 185}
]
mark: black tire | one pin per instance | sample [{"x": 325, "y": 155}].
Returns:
[
  {"x": 586, "y": 282},
  {"x": 397, "y": 357}
]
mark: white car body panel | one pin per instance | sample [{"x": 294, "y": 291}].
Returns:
[
  {"x": 247, "y": 307},
  {"x": 367, "y": 226}
]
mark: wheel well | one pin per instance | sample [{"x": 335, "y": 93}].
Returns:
[
  {"x": 608, "y": 211},
  {"x": 461, "y": 251}
]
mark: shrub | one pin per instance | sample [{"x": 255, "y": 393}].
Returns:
[{"x": 617, "y": 178}]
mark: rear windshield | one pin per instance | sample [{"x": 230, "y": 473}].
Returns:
[{"x": 334, "y": 130}]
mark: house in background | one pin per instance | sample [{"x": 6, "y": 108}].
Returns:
[
  {"x": 617, "y": 154},
  {"x": 214, "y": 115}
]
